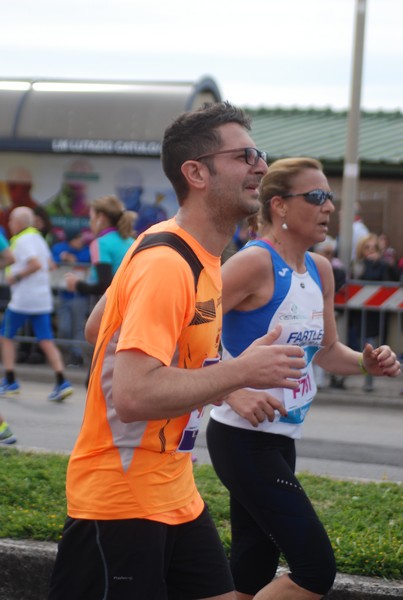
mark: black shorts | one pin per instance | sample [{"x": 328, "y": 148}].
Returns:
[
  {"x": 270, "y": 512},
  {"x": 137, "y": 559}
]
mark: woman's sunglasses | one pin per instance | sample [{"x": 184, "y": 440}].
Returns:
[{"x": 317, "y": 197}]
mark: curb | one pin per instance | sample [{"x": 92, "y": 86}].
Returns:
[
  {"x": 353, "y": 587},
  {"x": 26, "y": 567}
]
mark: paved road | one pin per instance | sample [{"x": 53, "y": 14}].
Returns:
[
  {"x": 346, "y": 433},
  {"x": 347, "y": 442}
]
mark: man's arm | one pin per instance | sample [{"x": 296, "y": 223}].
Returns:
[
  {"x": 6, "y": 258},
  {"x": 145, "y": 389},
  {"x": 33, "y": 265}
]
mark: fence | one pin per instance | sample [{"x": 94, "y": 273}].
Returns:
[
  {"x": 383, "y": 298},
  {"x": 58, "y": 287},
  {"x": 355, "y": 297}
]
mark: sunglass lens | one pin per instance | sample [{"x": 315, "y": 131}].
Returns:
[{"x": 318, "y": 197}]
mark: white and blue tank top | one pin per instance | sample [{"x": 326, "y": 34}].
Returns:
[{"x": 296, "y": 305}]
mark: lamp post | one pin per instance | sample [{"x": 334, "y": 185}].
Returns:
[{"x": 351, "y": 160}]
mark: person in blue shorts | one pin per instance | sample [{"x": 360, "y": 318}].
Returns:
[{"x": 31, "y": 302}]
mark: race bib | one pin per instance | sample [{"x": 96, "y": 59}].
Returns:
[
  {"x": 298, "y": 401},
  {"x": 191, "y": 430}
]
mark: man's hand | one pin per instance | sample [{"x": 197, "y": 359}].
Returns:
[{"x": 268, "y": 366}]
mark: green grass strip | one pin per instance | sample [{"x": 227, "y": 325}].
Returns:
[{"x": 364, "y": 520}]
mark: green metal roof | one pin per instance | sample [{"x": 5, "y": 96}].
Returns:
[{"x": 322, "y": 134}]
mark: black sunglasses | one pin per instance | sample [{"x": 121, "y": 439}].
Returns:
[
  {"x": 317, "y": 197},
  {"x": 251, "y": 155}
]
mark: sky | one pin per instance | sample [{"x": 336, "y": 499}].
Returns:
[{"x": 260, "y": 53}]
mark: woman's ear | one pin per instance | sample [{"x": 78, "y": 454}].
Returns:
[
  {"x": 277, "y": 204},
  {"x": 195, "y": 173}
]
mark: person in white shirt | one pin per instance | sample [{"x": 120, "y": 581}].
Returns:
[
  {"x": 31, "y": 301},
  {"x": 360, "y": 230}
]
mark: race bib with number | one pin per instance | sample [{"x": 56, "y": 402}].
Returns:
[{"x": 191, "y": 430}]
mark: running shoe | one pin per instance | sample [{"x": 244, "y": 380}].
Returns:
[
  {"x": 6, "y": 435},
  {"x": 9, "y": 389},
  {"x": 60, "y": 392}
]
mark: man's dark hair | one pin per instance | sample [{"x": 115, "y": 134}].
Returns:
[{"x": 193, "y": 134}]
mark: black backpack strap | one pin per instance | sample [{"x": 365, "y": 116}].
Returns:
[{"x": 166, "y": 238}]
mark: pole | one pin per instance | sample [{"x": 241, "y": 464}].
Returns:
[{"x": 351, "y": 160}]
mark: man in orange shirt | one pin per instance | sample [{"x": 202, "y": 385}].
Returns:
[{"x": 137, "y": 527}]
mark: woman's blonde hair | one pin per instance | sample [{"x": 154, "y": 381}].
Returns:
[
  {"x": 278, "y": 182},
  {"x": 362, "y": 242},
  {"x": 115, "y": 211}
]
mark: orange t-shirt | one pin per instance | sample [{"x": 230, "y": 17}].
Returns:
[{"x": 143, "y": 469}]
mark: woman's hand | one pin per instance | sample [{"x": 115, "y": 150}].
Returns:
[
  {"x": 71, "y": 281},
  {"x": 380, "y": 361},
  {"x": 255, "y": 406}
]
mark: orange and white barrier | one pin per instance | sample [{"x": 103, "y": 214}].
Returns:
[{"x": 370, "y": 295}]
